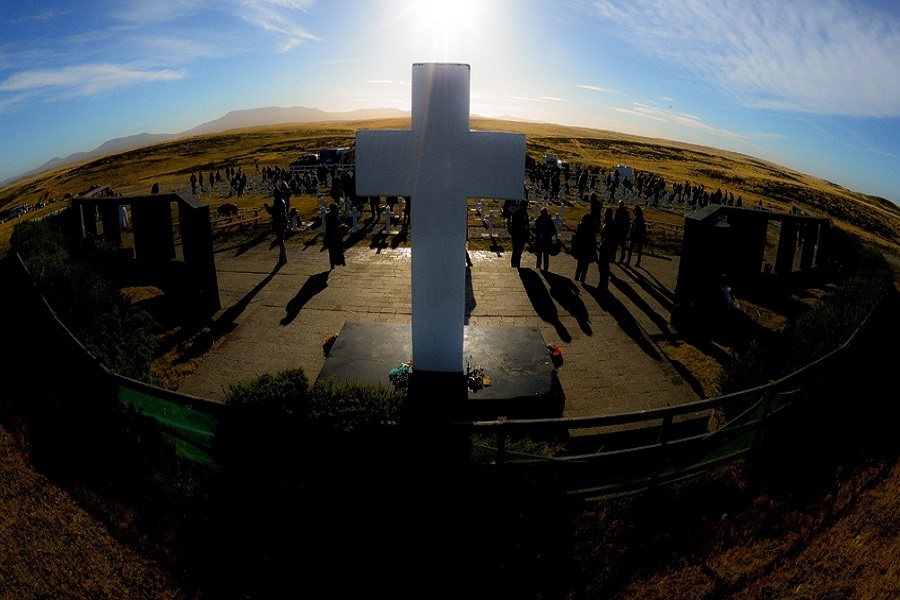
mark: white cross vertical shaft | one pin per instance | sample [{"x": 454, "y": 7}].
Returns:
[{"x": 439, "y": 163}]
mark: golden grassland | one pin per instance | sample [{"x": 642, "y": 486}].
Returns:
[
  {"x": 738, "y": 541},
  {"x": 170, "y": 165}
]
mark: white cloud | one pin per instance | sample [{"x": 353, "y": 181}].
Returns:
[
  {"x": 83, "y": 80},
  {"x": 818, "y": 56},
  {"x": 152, "y": 12},
  {"x": 272, "y": 16},
  {"x": 667, "y": 116},
  {"x": 595, "y": 88},
  {"x": 275, "y": 17}
]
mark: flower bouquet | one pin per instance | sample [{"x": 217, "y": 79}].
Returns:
[
  {"x": 399, "y": 375},
  {"x": 328, "y": 342},
  {"x": 555, "y": 354}
]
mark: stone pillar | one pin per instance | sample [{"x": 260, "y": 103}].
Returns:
[
  {"x": 199, "y": 259},
  {"x": 151, "y": 220},
  {"x": 787, "y": 245},
  {"x": 88, "y": 218},
  {"x": 112, "y": 232},
  {"x": 810, "y": 237}
]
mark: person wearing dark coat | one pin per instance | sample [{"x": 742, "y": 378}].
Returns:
[
  {"x": 334, "y": 242},
  {"x": 544, "y": 234},
  {"x": 607, "y": 249},
  {"x": 638, "y": 235},
  {"x": 278, "y": 210},
  {"x": 623, "y": 226},
  {"x": 584, "y": 246},
  {"x": 518, "y": 231}
]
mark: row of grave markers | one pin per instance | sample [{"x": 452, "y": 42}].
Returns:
[{"x": 354, "y": 213}]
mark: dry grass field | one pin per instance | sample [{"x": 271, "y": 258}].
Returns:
[{"x": 740, "y": 532}]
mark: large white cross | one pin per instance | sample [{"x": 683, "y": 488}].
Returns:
[{"x": 439, "y": 163}]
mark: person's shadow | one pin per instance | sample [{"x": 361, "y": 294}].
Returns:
[
  {"x": 567, "y": 295},
  {"x": 625, "y": 319},
  {"x": 312, "y": 286},
  {"x": 542, "y": 302}
]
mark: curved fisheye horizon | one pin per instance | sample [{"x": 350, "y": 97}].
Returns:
[{"x": 810, "y": 86}]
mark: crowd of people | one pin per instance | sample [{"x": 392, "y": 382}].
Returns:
[
  {"x": 609, "y": 232},
  {"x": 601, "y": 235}
]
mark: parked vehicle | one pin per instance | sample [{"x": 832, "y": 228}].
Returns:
[
  {"x": 18, "y": 211},
  {"x": 342, "y": 158},
  {"x": 307, "y": 162}
]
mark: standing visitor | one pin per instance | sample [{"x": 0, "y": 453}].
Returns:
[
  {"x": 623, "y": 225},
  {"x": 607, "y": 250},
  {"x": 584, "y": 246},
  {"x": 278, "y": 210},
  {"x": 638, "y": 234},
  {"x": 544, "y": 235},
  {"x": 334, "y": 242},
  {"x": 518, "y": 231}
]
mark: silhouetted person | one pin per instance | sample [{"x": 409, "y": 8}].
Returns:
[
  {"x": 518, "y": 231},
  {"x": 544, "y": 233},
  {"x": 623, "y": 224},
  {"x": 584, "y": 247},
  {"x": 334, "y": 242},
  {"x": 638, "y": 235},
  {"x": 279, "y": 223},
  {"x": 607, "y": 249}
]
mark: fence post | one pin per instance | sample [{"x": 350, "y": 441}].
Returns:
[
  {"x": 663, "y": 430},
  {"x": 501, "y": 448},
  {"x": 767, "y": 405}
]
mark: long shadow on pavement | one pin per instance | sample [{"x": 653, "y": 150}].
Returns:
[
  {"x": 470, "y": 293},
  {"x": 626, "y": 321},
  {"x": 542, "y": 302},
  {"x": 225, "y": 322},
  {"x": 651, "y": 285},
  {"x": 312, "y": 286},
  {"x": 659, "y": 320},
  {"x": 567, "y": 294},
  {"x": 247, "y": 244}
]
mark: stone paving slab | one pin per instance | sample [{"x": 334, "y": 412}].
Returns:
[{"x": 281, "y": 316}]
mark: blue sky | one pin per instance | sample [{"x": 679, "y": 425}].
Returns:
[{"x": 812, "y": 85}]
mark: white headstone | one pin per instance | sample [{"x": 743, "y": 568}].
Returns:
[
  {"x": 388, "y": 213},
  {"x": 354, "y": 215},
  {"x": 439, "y": 163}
]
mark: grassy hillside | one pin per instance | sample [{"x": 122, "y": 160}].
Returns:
[{"x": 170, "y": 165}]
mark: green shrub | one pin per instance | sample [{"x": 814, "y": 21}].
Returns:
[
  {"x": 328, "y": 406},
  {"x": 280, "y": 428},
  {"x": 119, "y": 335},
  {"x": 863, "y": 279},
  {"x": 344, "y": 407},
  {"x": 286, "y": 392}
]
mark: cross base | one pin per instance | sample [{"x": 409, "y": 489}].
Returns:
[{"x": 523, "y": 380}]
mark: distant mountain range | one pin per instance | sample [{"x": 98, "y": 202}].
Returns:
[{"x": 236, "y": 119}]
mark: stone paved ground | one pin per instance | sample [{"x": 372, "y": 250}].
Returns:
[{"x": 278, "y": 318}]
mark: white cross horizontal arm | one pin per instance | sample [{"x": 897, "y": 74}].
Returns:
[{"x": 384, "y": 161}]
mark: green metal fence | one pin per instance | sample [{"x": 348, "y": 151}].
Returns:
[{"x": 632, "y": 451}]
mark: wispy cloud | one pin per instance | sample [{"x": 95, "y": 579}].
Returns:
[
  {"x": 595, "y": 88},
  {"x": 41, "y": 16},
  {"x": 82, "y": 80},
  {"x": 658, "y": 114},
  {"x": 816, "y": 56},
  {"x": 277, "y": 17},
  {"x": 153, "y": 12}
]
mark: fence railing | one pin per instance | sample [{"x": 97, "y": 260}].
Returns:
[{"x": 628, "y": 452}]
